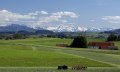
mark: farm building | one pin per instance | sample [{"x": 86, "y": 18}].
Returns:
[{"x": 102, "y": 45}]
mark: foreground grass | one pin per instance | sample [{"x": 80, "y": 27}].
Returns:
[
  {"x": 97, "y": 69},
  {"x": 26, "y": 56}
]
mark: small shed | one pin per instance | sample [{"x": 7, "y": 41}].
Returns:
[{"x": 102, "y": 45}]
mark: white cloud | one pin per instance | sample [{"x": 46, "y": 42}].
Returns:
[
  {"x": 35, "y": 18},
  {"x": 44, "y": 12},
  {"x": 38, "y": 13},
  {"x": 64, "y": 14},
  {"x": 8, "y": 17},
  {"x": 112, "y": 19},
  {"x": 55, "y": 17},
  {"x": 71, "y": 14}
]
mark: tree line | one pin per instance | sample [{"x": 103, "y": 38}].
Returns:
[{"x": 13, "y": 36}]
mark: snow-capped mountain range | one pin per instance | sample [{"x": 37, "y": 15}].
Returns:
[
  {"x": 60, "y": 28},
  {"x": 75, "y": 29},
  {"x": 66, "y": 29}
]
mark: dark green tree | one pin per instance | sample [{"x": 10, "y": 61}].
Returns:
[
  {"x": 118, "y": 38},
  {"x": 112, "y": 37},
  {"x": 79, "y": 42}
]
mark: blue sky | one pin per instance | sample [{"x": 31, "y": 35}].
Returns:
[{"x": 85, "y": 13}]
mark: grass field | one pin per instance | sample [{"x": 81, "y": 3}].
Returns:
[
  {"x": 42, "y": 52},
  {"x": 37, "y": 69}
]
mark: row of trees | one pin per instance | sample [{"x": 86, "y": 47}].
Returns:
[{"x": 13, "y": 36}]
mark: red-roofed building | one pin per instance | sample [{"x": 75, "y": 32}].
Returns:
[{"x": 102, "y": 45}]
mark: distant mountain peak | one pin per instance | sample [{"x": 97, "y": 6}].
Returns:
[{"x": 15, "y": 27}]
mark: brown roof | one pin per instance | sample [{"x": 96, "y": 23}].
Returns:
[{"x": 101, "y": 44}]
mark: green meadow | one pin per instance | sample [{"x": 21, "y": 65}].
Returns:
[{"x": 42, "y": 55}]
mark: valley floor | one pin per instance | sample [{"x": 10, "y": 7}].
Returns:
[{"x": 41, "y": 55}]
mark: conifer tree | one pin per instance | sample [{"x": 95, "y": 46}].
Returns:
[{"x": 79, "y": 42}]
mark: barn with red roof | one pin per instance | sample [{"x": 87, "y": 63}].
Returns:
[{"x": 102, "y": 45}]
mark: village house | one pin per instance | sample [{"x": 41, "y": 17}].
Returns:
[{"x": 102, "y": 45}]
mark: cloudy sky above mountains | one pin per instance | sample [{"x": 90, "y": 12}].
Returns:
[
  {"x": 84, "y": 13},
  {"x": 37, "y": 18}
]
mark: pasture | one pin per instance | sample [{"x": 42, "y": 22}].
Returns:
[{"x": 41, "y": 54}]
